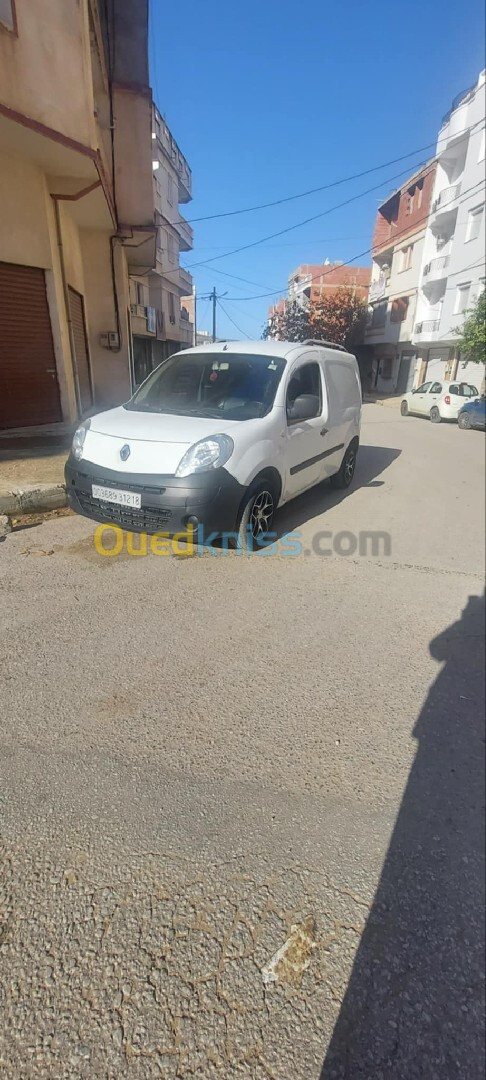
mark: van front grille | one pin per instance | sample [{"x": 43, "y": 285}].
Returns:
[{"x": 147, "y": 519}]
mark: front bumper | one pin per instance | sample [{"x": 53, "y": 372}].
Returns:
[{"x": 210, "y": 499}]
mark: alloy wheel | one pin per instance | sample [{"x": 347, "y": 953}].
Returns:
[
  {"x": 349, "y": 467},
  {"x": 261, "y": 513}
]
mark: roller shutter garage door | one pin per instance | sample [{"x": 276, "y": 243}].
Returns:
[
  {"x": 29, "y": 390},
  {"x": 81, "y": 350}
]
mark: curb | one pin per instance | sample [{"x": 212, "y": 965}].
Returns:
[{"x": 33, "y": 498}]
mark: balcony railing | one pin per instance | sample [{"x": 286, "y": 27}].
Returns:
[
  {"x": 427, "y": 326},
  {"x": 446, "y": 196},
  {"x": 185, "y": 280},
  {"x": 186, "y": 233},
  {"x": 378, "y": 288},
  {"x": 436, "y": 267}
]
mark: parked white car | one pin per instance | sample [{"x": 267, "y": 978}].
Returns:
[
  {"x": 437, "y": 400},
  {"x": 218, "y": 437}
]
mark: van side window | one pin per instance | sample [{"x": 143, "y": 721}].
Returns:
[
  {"x": 343, "y": 385},
  {"x": 306, "y": 380}
]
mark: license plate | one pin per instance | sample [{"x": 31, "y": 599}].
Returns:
[{"x": 112, "y": 495}]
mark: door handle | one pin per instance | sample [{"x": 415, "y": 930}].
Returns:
[{"x": 324, "y": 431}]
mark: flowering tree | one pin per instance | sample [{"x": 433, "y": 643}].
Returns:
[{"x": 338, "y": 316}]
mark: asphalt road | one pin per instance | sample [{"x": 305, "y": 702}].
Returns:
[{"x": 205, "y": 760}]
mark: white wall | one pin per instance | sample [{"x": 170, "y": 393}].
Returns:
[{"x": 460, "y": 162}]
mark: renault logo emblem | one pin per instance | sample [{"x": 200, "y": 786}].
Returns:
[{"x": 125, "y": 452}]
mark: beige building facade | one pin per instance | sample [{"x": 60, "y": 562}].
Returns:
[
  {"x": 76, "y": 203},
  {"x": 161, "y": 321}
]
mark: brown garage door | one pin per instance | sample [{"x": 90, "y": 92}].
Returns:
[
  {"x": 81, "y": 350},
  {"x": 29, "y": 390}
]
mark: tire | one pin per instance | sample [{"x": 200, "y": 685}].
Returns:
[
  {"x": 256, "y": 516},
  {"x": 464, "y": 421},
  {"x": 435, "y": 415},
  {"x": 404, "y": 408},
  {"x": 343, "y": 478}
]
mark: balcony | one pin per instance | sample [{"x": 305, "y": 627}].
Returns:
[
  {"x": 186, "y": 331},
  {"x": 185, "y": 281},
  {"x": 446, "y": 197},
  {"x": 436, "y": 269},
  {"x": 378, "y": 288},
  {"x": 427, "y": 330},
  {"x": 185, "y": 233},
  {"x": 170, "y": 149}
]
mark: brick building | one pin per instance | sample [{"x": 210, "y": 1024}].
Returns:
[
  {"x": 309, "y": 282},
  {"x": 398, "y": 241}
]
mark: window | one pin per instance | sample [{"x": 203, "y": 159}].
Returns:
[
  {"x": 378, "y": 315},
  {"x": 406, "y": 257},
  {"x": 140, "y": 289},
  {"x": 170, "y": 190},
  {"x": 422, "y": 389},
  {"x": 306, "y": 380},
  {"x": 399, "y": 309},
  {"x": 386, "y": 369},
  {"x": 7, "y": 15},
  {"x": 474, "y": 222},
  {"x": 436, "y": 388},
  {"x": 222, "y": 386},
  {"x": 420, "y": 193},
  {"x": 411, "y": 199},
  {"x": 342, "y": 385},
  {"x": 482, "y": 146},
  {"x": 172, "y": 317},
  {"x": 462, "y": 298}
]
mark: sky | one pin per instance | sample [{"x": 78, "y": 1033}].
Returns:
[{"x": 268, "y": 98}]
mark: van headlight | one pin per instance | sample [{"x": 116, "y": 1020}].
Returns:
[
  {"x": 207, "y": 454},
  {"x": 78, "y": 439}
]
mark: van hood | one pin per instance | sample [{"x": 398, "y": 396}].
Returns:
[{"x": 157, "y": 441}]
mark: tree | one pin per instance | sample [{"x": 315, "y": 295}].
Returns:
[
  {"x": 472, "y": 334},
  {"x": 291, "y": 324},
  {"x": 338, "y": 316}
]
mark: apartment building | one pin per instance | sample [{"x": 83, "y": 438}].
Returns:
[
  {"x": 452, "y": 271},
  {"x": 310, "y": 282},
  {"x": 76, "y": 203},
  {"x": 398, "y": 244},
  {"x": 161, "y": 323}
]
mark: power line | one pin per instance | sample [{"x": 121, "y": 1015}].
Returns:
[
  {"x": 232, "y": 321},
  {"x": 306, "y": 221},
  {"x": 361, "y": 254},
  {"x": 332, "y": 184},
  {"x": 224, "y": 273},
  {"x": 246, "y": 314},
  {"x": 299, "y": 224}
]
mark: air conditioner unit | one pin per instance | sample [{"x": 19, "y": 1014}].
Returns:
[{"x": 142, "y": 311}]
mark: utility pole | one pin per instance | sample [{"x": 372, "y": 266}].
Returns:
[
  {"x": 213, "y": 296},
  {"x": 214, "y": 299},
  {"x": 194, "y": 330}
]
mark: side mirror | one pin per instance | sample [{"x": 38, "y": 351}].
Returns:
[{"x": 303, "y": 408}]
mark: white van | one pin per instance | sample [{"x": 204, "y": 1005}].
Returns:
[{"x": 219, "y": 436}]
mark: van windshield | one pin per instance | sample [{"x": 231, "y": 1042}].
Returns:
[{"x": 236, "y": 386}]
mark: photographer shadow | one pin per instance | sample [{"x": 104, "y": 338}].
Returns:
[{"x": 414, "y": 1003}]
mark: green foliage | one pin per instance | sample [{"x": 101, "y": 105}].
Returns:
[
  {"x": 472, "y": 335},
  {"x": 339, "y": 316}
]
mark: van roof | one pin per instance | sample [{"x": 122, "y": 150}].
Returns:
[{"x": 285, "y": 349}]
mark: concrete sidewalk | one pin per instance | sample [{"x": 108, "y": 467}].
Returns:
[
  {"x": 392, "y": 401},
  {"x": 32, "y": 473}
]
